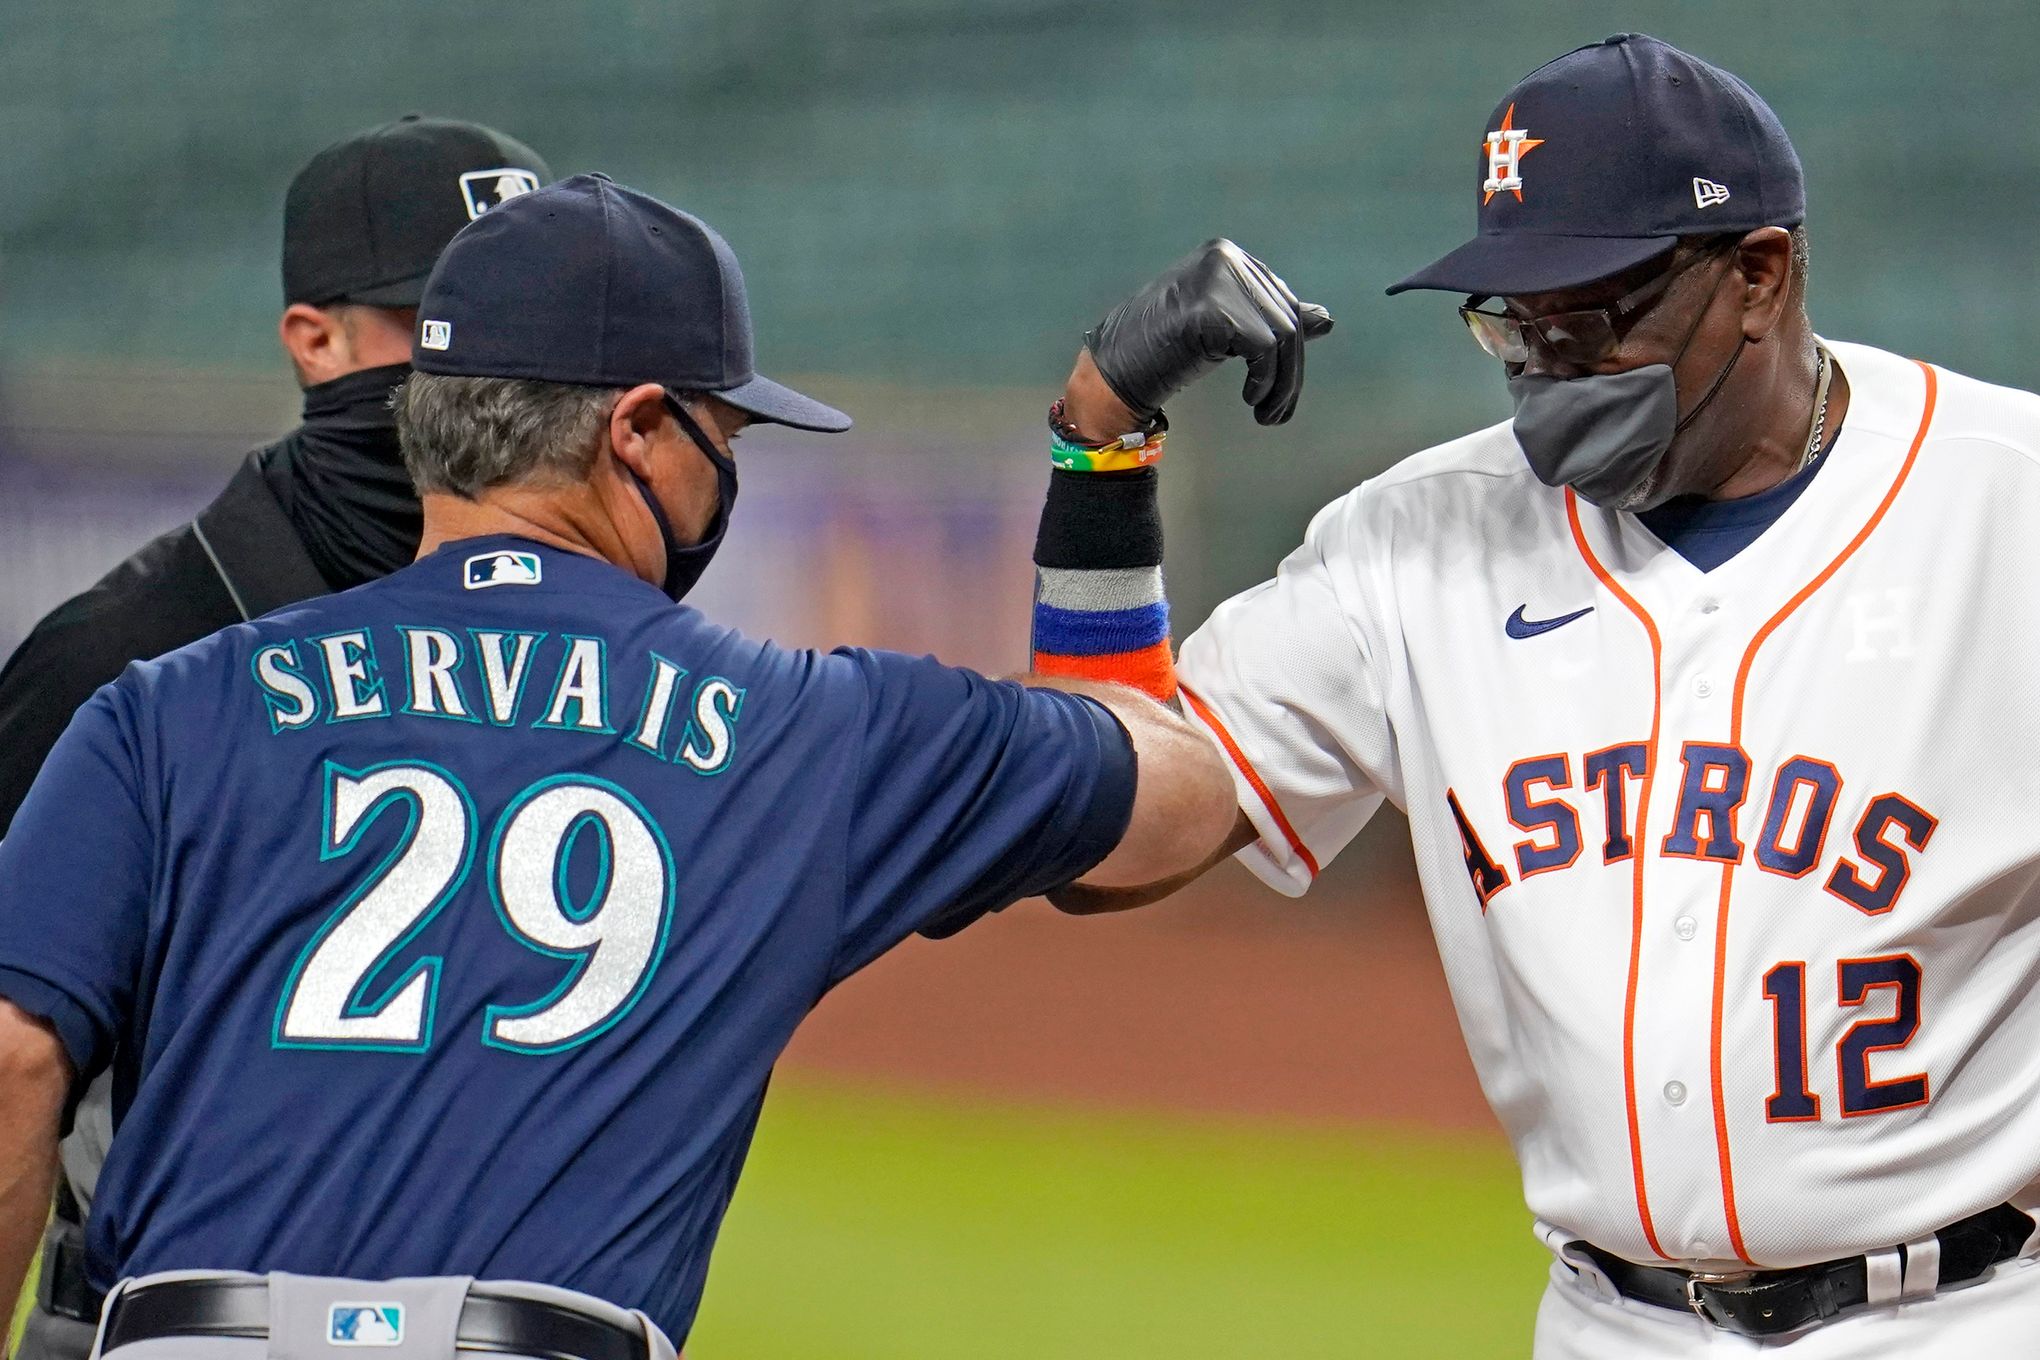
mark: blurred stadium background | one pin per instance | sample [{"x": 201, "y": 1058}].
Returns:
[{"x": 1234, "y": 1124}]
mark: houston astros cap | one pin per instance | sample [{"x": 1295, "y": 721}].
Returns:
[
  {"x": 588, "y": 282},
  {"x": 1602, "y": 159},
  {"x": 367, "y": 217}
]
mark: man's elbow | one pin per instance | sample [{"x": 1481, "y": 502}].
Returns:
[
  {"x": 1194, "y": 806},
  {"x": 1088, "y": 899},
  {"x": 1210, "y": 811},
  {"x": 1184, "y": 813},
  {"x": 33, "y": 1063}
]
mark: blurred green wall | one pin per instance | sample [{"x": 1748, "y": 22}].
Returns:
[{"x": 941, "y": 193}]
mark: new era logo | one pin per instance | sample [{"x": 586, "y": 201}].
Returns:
[
  {"x": 435, "y": 334},
  {"x": 502, "y": 569},
  {"x": 365, "y": 1324},
  {"x": 482, "y": 190},
  {"x": 1708, "y": 194}
]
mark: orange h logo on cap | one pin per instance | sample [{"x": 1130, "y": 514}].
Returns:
[{"x": 1506, "y": 147}]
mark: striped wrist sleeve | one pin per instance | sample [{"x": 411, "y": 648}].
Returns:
[{"x": 1100, "y": 612}]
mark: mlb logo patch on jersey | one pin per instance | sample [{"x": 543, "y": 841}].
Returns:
[
  {"x": 502, "y": 569},
  {"x": 482, "y": 190},
  {"x": 365, "y": 1324}
]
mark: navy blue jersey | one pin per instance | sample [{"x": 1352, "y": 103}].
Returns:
[{"x": 452, "y": 925}]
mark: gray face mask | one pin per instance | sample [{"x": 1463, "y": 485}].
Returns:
[{"x": 1605, "y": 433}]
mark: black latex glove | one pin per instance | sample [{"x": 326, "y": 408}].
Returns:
[{"x": 1214, "y": 303}]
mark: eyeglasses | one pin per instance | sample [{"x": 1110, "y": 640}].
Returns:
[{"x": 1578, "y": 338}]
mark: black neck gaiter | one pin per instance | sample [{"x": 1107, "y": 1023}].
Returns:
[{"x": 340, "y": 477}]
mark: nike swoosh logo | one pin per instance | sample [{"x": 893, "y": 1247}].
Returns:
[{"x": 1519, "y": 627}]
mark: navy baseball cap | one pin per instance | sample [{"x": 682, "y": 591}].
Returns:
[
  {"x": 1604, "y": 158},
  {"x": 588, "y": 282}
]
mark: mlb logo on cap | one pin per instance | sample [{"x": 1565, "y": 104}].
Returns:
[
  {"x": 365, "y": 1324},
  {"x": 482, "y": 190},
  {"x": 502, "y": 569}
]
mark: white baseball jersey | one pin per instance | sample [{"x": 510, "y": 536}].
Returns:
[{"x": 1735, "y": 874}]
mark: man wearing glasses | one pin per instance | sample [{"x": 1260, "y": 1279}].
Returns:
[{"x": 1724, "y": 819}]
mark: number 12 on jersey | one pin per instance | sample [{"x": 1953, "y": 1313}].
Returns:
[
  {"x": 1855, "y": 980},
  {"x": 614, "y": 940}
]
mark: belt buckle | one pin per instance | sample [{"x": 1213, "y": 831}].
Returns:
[{"x": 1696, "y": 1280}]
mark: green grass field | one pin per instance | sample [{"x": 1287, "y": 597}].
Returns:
[
  {"x": 874, "y": 1228},
  {"x": 881, "y": 1228}
]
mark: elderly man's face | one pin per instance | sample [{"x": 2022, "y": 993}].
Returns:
[
  {"x": 1694, "y": 326},
  {"x": 1654, "y": 335}
]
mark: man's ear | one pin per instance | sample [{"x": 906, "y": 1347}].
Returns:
[
  {"x": 317, "y": 342},
  {"x": 634, "y": 422},
  {"x": 1765, "y": 259}
]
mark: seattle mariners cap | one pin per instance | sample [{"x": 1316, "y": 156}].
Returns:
[
  {"x": 1602, "y": 159},
  {"x": 367, "y": 217},
  {"x": 588, "y": 282}
]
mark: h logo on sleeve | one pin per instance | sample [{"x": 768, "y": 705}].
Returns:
[{"x": 365, "y": 1324}]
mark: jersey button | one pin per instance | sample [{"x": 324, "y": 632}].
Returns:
[
  {"x": 1709, "y": 605},
  {"x": 1685, "y": 927},
  {"x": 1675, "y": 1093},
  {"x": 1702, "y": 686}
]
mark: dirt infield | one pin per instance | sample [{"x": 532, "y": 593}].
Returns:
[{"x": 1228, "y": 999}]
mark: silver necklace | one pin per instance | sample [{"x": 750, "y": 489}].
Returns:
[{"x": 1815, "y": 437}]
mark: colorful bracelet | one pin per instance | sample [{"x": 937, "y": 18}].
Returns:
[{"x": 1129, "y": 452}]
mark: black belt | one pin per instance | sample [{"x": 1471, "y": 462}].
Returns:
[
  {"x": 504, "y": 1326},
  {"x": 1773, "y": 1302}
]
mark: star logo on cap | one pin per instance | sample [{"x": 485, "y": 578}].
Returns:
[{"x": 1506, "y": 147}]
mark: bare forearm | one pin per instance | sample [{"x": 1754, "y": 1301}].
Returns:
[
  {"x": 1110, "y": 575},
  {"x": 1087, "y": 899},
  {"x": 1183, "y": 798},
  {"x": 1101, "y": 611},
  {"x": 34, "y": 1077}
]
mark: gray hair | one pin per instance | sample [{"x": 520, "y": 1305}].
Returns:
[{"x": 464, "y": 435}]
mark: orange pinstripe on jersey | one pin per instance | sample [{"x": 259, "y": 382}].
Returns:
[
  {"x": 1629, "y": 602},
  {"x": 1742, "y": 679},
  {"x": 1253, "y": 777},
  {"x": 1607, "y": 579}
]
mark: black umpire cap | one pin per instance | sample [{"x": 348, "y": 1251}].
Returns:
[
  {"x": 366, "y": 219},
  {"x": 589, "y": 282}
]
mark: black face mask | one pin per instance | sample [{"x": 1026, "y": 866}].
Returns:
[
  {"x": 684, "y": 564},
  {"x": 340, "y": 477}
]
